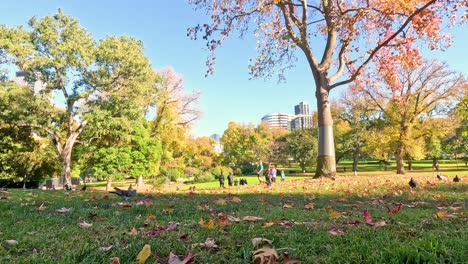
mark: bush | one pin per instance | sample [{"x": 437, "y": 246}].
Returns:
[
  {"x": 205, "y": 176},
  {"x": 216, "y": 171},
  {"x": 172, "y": 174},
  {"x": 247, "y": 168}
]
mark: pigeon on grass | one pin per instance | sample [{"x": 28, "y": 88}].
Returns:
[{"x": 125, "y": 194}]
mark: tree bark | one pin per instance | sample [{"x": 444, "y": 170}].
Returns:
[
  {"x": 410, "y": 164},
  {"x": 399, "y": 159},
  {"x": 355, "y": 159},
  {"x": 326, "y": 165}
]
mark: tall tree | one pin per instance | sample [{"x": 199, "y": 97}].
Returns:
[
  {"x": 337, "y": 38},
  {"x": 72, "y": 66},
  {"x": 408, "y": 98},
  {"x": 301, "y": 145}
]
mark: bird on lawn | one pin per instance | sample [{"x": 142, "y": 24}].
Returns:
[
  {"x": 412, "y": 183},
  {"x": 456, "y": 179},
  {"x": 441, "y": 177},
  {"x": 125, "y": 194}
]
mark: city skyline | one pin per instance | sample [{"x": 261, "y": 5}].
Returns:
[{"x": 229, "y": 94}]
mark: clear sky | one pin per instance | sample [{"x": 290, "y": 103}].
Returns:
[{"x": 228, "y": 95}]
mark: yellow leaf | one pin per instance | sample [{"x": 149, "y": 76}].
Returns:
[
  {"x": 333, "y": 213},
  {"x": 168, "y": 210},
  {"x": 144, "y": 254},
  {"x": 236, "y": 199},
  {"x": 220, "y": 201},
  {"x": 440, "y": 214}
]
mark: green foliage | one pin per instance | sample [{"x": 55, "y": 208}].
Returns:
[
  {"x": 301, "y": 145},
  {"x": 204, "y": 176}
]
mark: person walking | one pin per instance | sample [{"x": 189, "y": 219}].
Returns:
[
  {"x": 283, "y": 176},
  {"x": 230, "y": 179},
  {"x": 273, "y": 173},
  {"x": 221, "y": 180},
  {"x": 260, "y": 171}
]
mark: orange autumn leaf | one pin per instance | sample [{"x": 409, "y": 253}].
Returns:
[
  {"x": 236, "y": 199},
  {"x": 440, "y": 214},
  {"x": 309, "y": 206},
  {"x": 151, "y": 216},
  {"x": 287, "y": 206},
  {"x": 220, "y": 201},
  {"x": 209, "y": 224}
]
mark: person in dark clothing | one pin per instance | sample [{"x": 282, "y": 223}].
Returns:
[
  {"x": 230, "y": 179},
  {"x": 221, "y": 180}
]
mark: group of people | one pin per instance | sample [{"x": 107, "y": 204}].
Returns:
[{"x": 270, "y": 174}]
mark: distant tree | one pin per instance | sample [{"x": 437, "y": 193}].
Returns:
[
  {"x": 301, "y": 145},
  {"x": 70, "y": 63},
  {"x": 238, "y": 143},
  {"x": 338, "y": 39},
  {"x": 408, "y": 98}
]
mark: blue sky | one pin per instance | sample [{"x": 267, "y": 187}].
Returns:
[{"x": 228, "y": 95}]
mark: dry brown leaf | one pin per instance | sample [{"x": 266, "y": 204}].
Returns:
[
  {"x": 380, "y": 223},
  {"x": 233, "y": 219},
  {"x": 265, "y": 255},
  {"x": 174, "y": 259},
  {"x": 209, "y": 243},
  {"x": 64, "y": 210},
  {"x": 336, "y": 231},
  {"x": 209, "y": 224},
  {"x": 287, "y": 206},
  {"x": 105, "y": 249},
  {"x": 133, "y": 232},
  {"x": 288, "y": 260},
  {"x": 41, "y": 207},
  {"x": 252, "y": 218},
  {"x": 11, "y": 242},
  {"x": 85, "y": 225},
  {"x": 258, "y": 240},
  {"x": 115, "y": 260},
  {"x": 333, "y": 213},
  {"x": 309, "y": 206}
]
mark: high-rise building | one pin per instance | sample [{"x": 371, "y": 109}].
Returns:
[
  {"x": 303, "y": 119},
  {"x": 278, "y": 120},
  {"x": 20, "y": 79}
]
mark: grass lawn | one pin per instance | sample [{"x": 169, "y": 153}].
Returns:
[{"x": 315, "y": 221}]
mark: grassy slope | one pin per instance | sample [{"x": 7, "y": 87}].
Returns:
[{"x": 413, "y": 235}]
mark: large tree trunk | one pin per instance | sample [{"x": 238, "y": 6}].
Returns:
[
  {"x": 326, "y": 165},
  {"x": 400, "y": 165},
  {"x": 410, "y": 164},
  {"x": 65, "y": 155}
]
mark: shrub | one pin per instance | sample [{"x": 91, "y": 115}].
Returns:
[{"x": 205, "y": 176}]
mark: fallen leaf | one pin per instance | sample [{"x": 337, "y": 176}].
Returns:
[
  {"x": 209, "y": 224},
  {"x": 394, "y": 210},
  {"x": 287, "y": 206},
  {"x": 380, "y": 223},
  {"x": 288, "y": 260},
  {"x": 151, "y": 216},
  {"x": 333, "y": 213},
  {"x": 145, "y": 202},
  {"x": 220, "y": 201},
  {"x": 183, "y": 237},
  {"x": 252, "y": 219},
  {"x": 265, "y": 255},
  {"x": 126, "y": 206},
  {"x": 11, "y": 242},
  {"x": 236, "y": 199},
  {"x": 222, "y": 220},
  {"x": 367, "y": 217},
  {"x": 233, "y": 219},
  {"x": 85, "y": 225},
  {"x": 133, "y": 232},
  {"x": 258, "y": 240},
  {"x": 41, "y": 207},
  {"x": 64, "y": 210},
  {"x": 353, "y": 222},
  {"x": 286, "y": 223},
  {"x": 115, "y": 260},
  {"x": 168, "y": 210},
  {"x": 440, "y": 214},
  {"x": 209, "y": 243},
  {"x": 336, "y": 231},
  {"x": 174, "y": 259},
  {"x": 105, "y": 249},
  {"x": 157, "y": 230},
  {"x": 309, "y": 206},
  {"x": 144, "y": 254}
]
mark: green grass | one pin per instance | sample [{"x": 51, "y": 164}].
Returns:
[{"x": 413, "y": 235}]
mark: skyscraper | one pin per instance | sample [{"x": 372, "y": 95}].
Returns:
[
  {"x": 303, "y": 119},
  {"x": 278, "y": 120}
]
